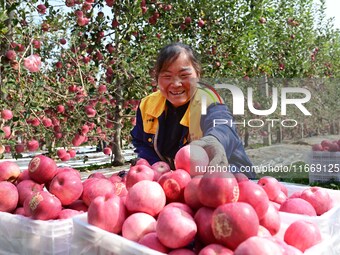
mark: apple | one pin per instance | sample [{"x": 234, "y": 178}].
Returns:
[
  {"x": 95, "y": 187},
  {"x": 6, "y": 114},
  {"x": 138, "y": 173},
  {"x": 203, "y": 219},
  {"x": 271, "y": 220},
  {"x": 137, "y": 225},
  {"x": 32, "y": 145},
  {"x": 174, "y": 183},
  {"x": 256, "y": 245},
  {"x": 254, "y": 194},
  {"x": 78, "y": 205},
  {"x": 151, "y": 241},
  {"x": 181, "y": 206},
  {"x": 67, "y": 187},
  {"x": 240, "y": 177},
  {"x": 19, "y": 148},
  {"x": 160, "y": 167},
  {"x": 298, "y": 206},
  {"x": 280, "y": 198},
  {"x": 217, "y": 188},
  {"x": 42, "y": 169},
  {"x": 190, "y": 193},
  {"x": 215, "y": 249},
  {"x": 107, "y": 151},
  {"x": 98, "y": 175},
  {"x": 233, "y": 223},
  {"x": 42, "y": 205},
  {"x": 192, "y": 158},
  {"x": 24, "y": 175},
  {"x": 27, "y": 188},
  {"x": 68, "y": 213},
  {"x": 181, "y": 251},
  {"x": 107, "y": 212},
  {"x": 9, "y": 171},
  {"x": 146, "y": 196},
  {"x": 7, "y": 131},
  {"x": 319, "y": 198},
  {"x": 142, "y": 161},
  {"x": 271, "y": 186},
  {"x": 10, "y": 55},
  {"x": 175, "y": 228},
  {"x": 9, "y": 196},
  {"x": 317, "y": 147},
  {"x": 302, "y": 235}
]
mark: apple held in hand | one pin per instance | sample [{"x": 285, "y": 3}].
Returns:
[
  {"x": 302, "y": 235},
  {"x": 67, "y": 187},
  {"x": 107, "y": 212},
  {"x": 193, "y": 159}
]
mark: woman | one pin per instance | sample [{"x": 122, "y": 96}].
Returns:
[{"x": 171, "y": 117}]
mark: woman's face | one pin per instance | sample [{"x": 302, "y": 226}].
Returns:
[{"x": 178, "y": 81}]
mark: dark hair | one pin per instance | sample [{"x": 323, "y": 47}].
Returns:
[{"x": 170, "y": 53}]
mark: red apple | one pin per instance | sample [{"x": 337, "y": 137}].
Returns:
[
  {"x": 68, "y": 213},
  {"x": 78, "y": 205},
  {"x": 95, "y": 187},
  {"x": 319, "y": 198},
  {"x": 271, "y": 186},
  {"x": 317, "y": 147},
  {"x": 254, "y": 194},
  {"x": 151, "y": 241},
  {"x": 215, "y": 249},
  {"x": 217, "y": 188},
  {"x": 181, "y": 206},
  {"x": 190, "y": 193},
  {"x": 24, "y": 175},
  {"x": 42, "y": 169},
  {"x": 6, "y": 114},
  {"x": 256, "y": 245},
  {"x": 181, "y": 251},
  {"x": 138, "y": 173},
  {"x": 203, "y": 219},
  {"x": 160, "y": 168},
  {"x": 137, "y": 225},
  {"x": 298, "y": 206},
  {"x": 27, "y": 188},
  {"x": 9, "y": 171},
  {"x": 42, "y": 205},
  {"x": 193, "y": 159},
  {"x": 32, "y": 145},
  {"x": 302, "y": 235},
  {"x": 233, "y": 223},
  {"x": 174, "y": 183},
  {"x": 175, "y": 228},
  {"x": 146, "y": 196},
  {"x": 142, "y": 161},
  {"x": 67, "y": 187},
  {"x": 271, "y": 220},
  {"x": 9, "y": 196},
  {"x": 107, "y": 212}
]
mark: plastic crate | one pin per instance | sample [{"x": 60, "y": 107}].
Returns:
[
  {"x": 328, "y": 223},
  {"x": 90, "y": 240},
  {"x": 324, "y": 166},
  {"x": 24, "y": 236}
]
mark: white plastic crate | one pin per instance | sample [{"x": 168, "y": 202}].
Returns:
[
  {"x": 328, "y": 223},
  {"x": 323, "y": 166},
  {"x": 23, "y": 236},
  {"x": 90, "y": 240}
]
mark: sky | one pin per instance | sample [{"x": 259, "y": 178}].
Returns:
[{"x": 333, "y": 7}]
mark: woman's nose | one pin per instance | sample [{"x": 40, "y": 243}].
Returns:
[{"x": 177, "y": 81}]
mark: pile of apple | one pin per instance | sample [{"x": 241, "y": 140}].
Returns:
[
  {"x": 187, "y": 212},
  {"x": 42, "y": 192},
  {"x": 327, "y": 145}
]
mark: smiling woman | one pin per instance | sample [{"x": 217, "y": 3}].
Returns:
[{"x": 171, "y": 117}]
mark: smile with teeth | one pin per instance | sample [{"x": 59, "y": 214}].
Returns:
[{"x": 177, "y": 92}]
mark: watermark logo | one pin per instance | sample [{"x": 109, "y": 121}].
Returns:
[{"x": 238, "y": 100}]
